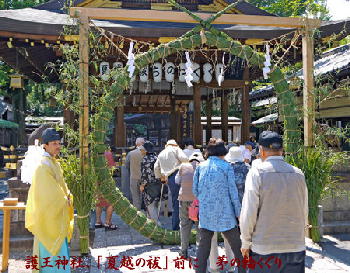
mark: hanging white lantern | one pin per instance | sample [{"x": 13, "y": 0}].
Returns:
[
  {"x": 196, "y": 72},
  {"x": 219, "y": 73},
  {"x": 104, "y": 70},
  {"x": 208, "y": 72},
  {"x": 118, "y": 65},
  {"x": 157, "y": 72},
  {"x": 169, "y": 70},
  {"x": 182, "y": 72},
  {"x": 144, "y": 74}
]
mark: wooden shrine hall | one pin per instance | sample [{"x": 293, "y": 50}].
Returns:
[{"x": 32, "y": 37}]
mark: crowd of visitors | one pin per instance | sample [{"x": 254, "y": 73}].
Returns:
[{"x": 249, "y": 194}]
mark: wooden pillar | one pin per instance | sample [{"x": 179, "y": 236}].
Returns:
[
  {"x": 197, "y": 127},
  {"x": 178, "y": 126},
  {"x": 224, "y": 116},
  {"x": 119, "y": 130},
  {"x": 245, "y": 107},
  {"x": 84, "y": 92},
  {"x": 209, "y": 110},
  {"x": 308, "y": 90},
  {"x": 173, "y": 131}
]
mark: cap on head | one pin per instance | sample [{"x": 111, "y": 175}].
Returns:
[
  {"x": 271, "y": 140},
  {"x": 234, "y": 155},
  {"x": 50, "y": 134},
  {"x": 197, "y": 156},
  {"x": 139, "y": 141},
  {"x": 171, "y": 142}
]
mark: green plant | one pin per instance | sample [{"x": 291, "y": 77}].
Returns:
[{"x": 83, "y": 191}]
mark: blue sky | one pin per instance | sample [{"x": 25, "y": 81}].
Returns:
[{"x": 339, "y": 9}]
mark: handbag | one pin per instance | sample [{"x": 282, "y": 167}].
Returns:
[{"x": 193, "y": 211}]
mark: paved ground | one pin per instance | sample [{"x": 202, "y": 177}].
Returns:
[{"x": 333, "y": 257}]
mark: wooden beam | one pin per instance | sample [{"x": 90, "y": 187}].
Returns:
[
  {"x": 308, "y": 88},
  {"x": 245, "y": 129},
  {"x": 224, "y": 116},
  {"x": 209, "y": 110},
  {"x": 84, "y": 92},
  {"x": 120, "y": 133},
  {"x": 197, "y": 127},
  {"x": 142, "y": 109},
  {"x": 180, "y": 17},
  {"x": 173, "y": 131},
  {"x": 226, "y": 84},
  {"x": 17, "y": 35}
]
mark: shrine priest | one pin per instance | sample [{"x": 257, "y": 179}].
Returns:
[{"x": 49, "y": 213}]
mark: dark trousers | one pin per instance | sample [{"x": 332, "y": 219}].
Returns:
[
  {"x": 174, "y": 189},
  {"x": 233, "y": 238},
  {"x": 291, "y": 262}
]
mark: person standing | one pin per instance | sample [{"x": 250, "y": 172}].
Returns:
[
  {"x": 184, "y": 178},
  {"x": 151, "y": 187},
  {"x": 219, "y": 206},
  {"x": 166, "y": 168},
  {"x": 50, "y": 214},
  {"x": 274, "y": 212},
  {"x": 133, "y": 164},
  {"x": 189, "y": 147},
  {"x": 103, "y": 203}
]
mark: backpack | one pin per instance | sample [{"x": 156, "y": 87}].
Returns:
[{"x": 193, "y": 210}]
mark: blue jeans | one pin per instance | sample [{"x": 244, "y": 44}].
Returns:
[
  {"x": 174, "y": 189},
  {"x": 290, "y": 262}
]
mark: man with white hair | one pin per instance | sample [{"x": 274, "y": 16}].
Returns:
[
  {"x": 166, "y": 168},
  {"x": 133, "y": 164}
]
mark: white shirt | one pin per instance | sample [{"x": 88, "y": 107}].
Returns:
[{"x": 169, "y": 161}]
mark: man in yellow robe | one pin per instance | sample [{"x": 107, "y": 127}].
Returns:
[{"x": 49, "y": 213}]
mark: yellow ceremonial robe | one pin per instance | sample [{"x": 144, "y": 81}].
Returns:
[{"x": 49, "y": 215}]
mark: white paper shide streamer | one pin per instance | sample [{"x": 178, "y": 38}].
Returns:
[
  {"x": 31, "y": 161},
  {"x": 189, "y": 71},
  {"x": 131, "y": 61},
  {"x": 267, "y": 63}
]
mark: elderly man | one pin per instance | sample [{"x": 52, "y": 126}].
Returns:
[
  {"x": 274, "y": 211},
  {"x": 49, "y": 213},
  {"x": 166, "y": 168},
  {"x": 133, "y": 163}
]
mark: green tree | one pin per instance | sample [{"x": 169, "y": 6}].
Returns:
[{"x": 293, "y": 8}]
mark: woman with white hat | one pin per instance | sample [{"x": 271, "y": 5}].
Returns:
[{"x": 184, "y": 178}]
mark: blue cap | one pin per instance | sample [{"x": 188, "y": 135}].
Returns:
[
  {"x": 50, "y": 134},
  {"x": 271, "y": 140}
]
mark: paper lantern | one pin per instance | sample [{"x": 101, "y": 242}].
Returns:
[
  {"x": 118, "y": 65},
  {"x": 104, "y": 70},
  {"x": 182, "y": 72},
  {"x": 196, "y": 72},
  {"x": 169, "y": 70},
  {"x": 207, "y": 72},
  {"x": 157, "y": 72},
  {"x": 144, "y": 74}
]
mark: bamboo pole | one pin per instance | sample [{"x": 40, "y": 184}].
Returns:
[{"x": 84, "y": 91}]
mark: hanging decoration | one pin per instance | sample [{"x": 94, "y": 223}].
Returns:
[
  {"x": 173, "y": 89},
  {"x": 104, "y": 70},
  {"x": 131, "y": 60},
  {"x": 169, "y": 70},
  {"x": 182, "y": 72},
  {"x": 189, "y": 70},
  {"x": 207, "y": 72},
  {"x": 144, "y": 74},
  {"x": 219, "y": 73},
  {"x": 267, "y": 63},
  {"x": 157, "y": 72}
]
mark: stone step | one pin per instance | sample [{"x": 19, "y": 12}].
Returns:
[
  {"x": 336, "y": 227},
  {"x": 337, "y": 215},
  {"x": 20, "y": 242}
]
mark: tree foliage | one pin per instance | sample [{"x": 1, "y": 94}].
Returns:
[
  {"x": 293, "y": 8},
  {"x": 19, "y": 4}
]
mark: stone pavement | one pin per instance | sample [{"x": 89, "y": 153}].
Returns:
[{"x": 333, "y": 257}]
